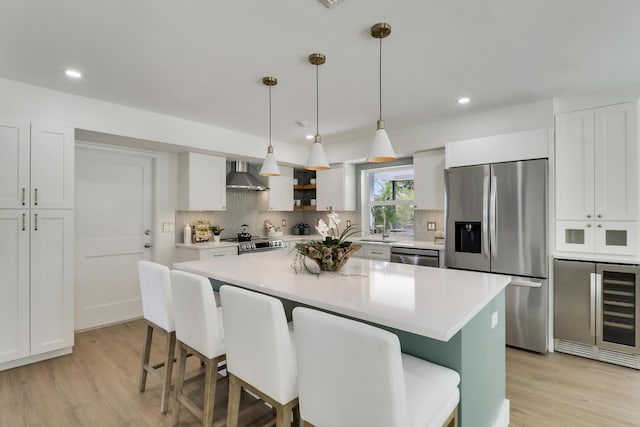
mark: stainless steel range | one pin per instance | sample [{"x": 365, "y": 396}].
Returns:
[{"x": 257, "y": 244}]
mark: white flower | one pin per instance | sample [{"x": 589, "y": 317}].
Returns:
[
  {"x": 322, "y": 228},
  {"x": 334, "y": 220}
]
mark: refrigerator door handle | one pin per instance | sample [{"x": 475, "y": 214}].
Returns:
[
  {"x": 493, "y": 215},
  {"x": 525, "y": 283},
  {"x": 485, "y": 216}
]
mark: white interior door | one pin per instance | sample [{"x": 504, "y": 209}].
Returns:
[{"x": 113, "y": 226}]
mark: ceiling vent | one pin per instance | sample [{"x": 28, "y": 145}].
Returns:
[{"x": 331, "y": 3}]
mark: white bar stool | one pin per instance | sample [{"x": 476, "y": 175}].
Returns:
[
  {"x": 157, "y": 309},
  {"x": 260, "y": 353},
  {"x": 199, "y": 331},
  {"x": 353, "y": 374}
]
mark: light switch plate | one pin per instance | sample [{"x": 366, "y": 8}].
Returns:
[
  {"x": 494, "y": 319},
  {"x": 167, "y": 227},
  {"x": 431, "y": 225}
]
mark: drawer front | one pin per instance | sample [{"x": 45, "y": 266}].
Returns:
[
  {"x": 376, "y": 252},
  {"x": 216, "y": 253}
]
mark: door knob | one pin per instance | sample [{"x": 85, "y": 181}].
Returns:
[{"x": 147, "y": 245}]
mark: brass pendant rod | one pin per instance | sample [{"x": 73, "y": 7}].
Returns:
[
  {"x": 317, "y": 102},
  {"x": 269, "y": 116},
  {"x": 380, "y": 80}
]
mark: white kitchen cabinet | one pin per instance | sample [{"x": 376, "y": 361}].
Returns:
[
  {"x": 36, "y": 166},
  {"x": 597, "y": 180},
  {"x": 280, "y": 194},
  {"x": 14, "y": 288},
  {"x": 218, "y": 252},
  {"x": 336, "y": 188},
  {"x": 374, "y": 251},
  {"x": 36, "y": 267},
  {"x": 428, "y": 180},
  {"x": 194, "y": 252},
  {"x": 202, "y": 182},
  {"x": 52, "y": 253}
]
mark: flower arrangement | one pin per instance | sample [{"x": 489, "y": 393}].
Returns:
[{"x": 332, "y": 252}]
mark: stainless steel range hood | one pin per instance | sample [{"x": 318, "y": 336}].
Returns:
[{"x": 241, "y": 179}]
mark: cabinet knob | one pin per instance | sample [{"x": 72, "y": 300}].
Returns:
[
  {"x": 599, "y": 216},
  {"x": 588, "y": 216},
  {"x": 599, "y": 225},
  {"x": 588, "y": 225},
  {"x": 147, "y": 245}
]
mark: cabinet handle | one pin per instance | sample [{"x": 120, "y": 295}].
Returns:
[
  {"x": 376, "y": 252},
  {"x": 24, "y": 194},
  {"x": 24, "y": 222},
  {"x": 217, "y": 255},
  {"x": 35, "y": 198},
  {"x": 35, "y": 222}
]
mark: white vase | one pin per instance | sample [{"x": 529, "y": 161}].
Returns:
[{"x": 216, "y": 237}]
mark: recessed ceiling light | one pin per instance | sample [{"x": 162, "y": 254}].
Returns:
[
  {"x": 73, "y": 74},
  {"x": 309, "y": 137},
  {"x": 464, "y": 100}
]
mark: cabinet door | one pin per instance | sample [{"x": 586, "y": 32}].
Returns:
[
  {"x": 14, "y": 284},
  {"x": 52, "y": 167},
  {"x": 428, "y": 178},
  {"x": 616, "y": 237},
  {"x": 616, "y": 163},
  {"x": 574, "y": 301},
  {"x": 280, "y": 194},
  {"x": 51, "y": 280},
  {"x": 216, "y": 253},
  {"x": 575, "y": 166},
  {"x": 14, "y": 164},
  {"x": 575, "y": 236},
  {"x": 202, "y": 182},
  {"x": 335, "y": 188}
]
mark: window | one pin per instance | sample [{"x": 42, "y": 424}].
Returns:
[{"x": 388, "y": 200}]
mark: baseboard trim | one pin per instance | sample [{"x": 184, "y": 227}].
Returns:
[
  {"x": 503, "y": 415},
  {"x": 36, "y": 358}
]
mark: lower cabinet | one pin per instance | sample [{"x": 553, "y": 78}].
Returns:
[
  {"x": 374, "y": 251},
  {"x": 193, "y": 253},
  {"x": 36, "y": 278}
]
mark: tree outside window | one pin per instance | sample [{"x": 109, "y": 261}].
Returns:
[{"x": 390, "y": 200}]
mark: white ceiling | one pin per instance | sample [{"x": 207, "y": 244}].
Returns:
[{"x": 204, "y": 60}]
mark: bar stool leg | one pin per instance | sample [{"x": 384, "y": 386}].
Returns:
[
  {"x": 211, "y": 373},
  {"x": 182, "y": 362},
  {"x": 168, "y": 369},
  {"x": 233, "y": 407},
  {"x": 146, "y": 352}
]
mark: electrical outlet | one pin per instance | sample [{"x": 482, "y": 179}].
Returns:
[
  {"x": 494, "y": 319},
  {"x": 167, "y": 227},
  {"x": 431, "y": 225}
]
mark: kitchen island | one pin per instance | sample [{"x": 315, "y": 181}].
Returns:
[{"x": 450, "y": 317}]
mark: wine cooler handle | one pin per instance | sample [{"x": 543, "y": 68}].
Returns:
[{"x": 592, "y": 304}]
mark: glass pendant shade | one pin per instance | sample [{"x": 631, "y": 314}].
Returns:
[
  {"x": 317, "y": 161},
  {"x": 381, "y": 149},
  {"x": 270, "y": 166}
]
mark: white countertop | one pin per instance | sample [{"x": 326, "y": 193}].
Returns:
[
  {"x": 207, "y": 245},
  {"x": 431, "y": 302}
]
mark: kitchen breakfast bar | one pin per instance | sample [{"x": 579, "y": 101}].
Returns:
[{"x": 450, "y": 317}]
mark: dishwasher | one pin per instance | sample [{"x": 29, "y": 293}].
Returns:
[{"x": 415, "y": 256}]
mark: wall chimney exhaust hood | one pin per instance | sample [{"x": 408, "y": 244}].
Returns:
[{"x": 241, "y": 179}]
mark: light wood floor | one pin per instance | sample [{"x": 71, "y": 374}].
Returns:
[{"x": 97, "y": 386}]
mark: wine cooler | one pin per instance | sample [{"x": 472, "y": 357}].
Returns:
[{"x": 596, "y": 311}]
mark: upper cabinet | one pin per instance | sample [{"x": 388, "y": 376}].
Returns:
[
  {"x": 336, "y": 188},
  {"x": 597, "y": 180},
  {"x": 280, "y": 194},
  {"x": 428, "y": 180},
  {"x": 202, "y": 182},
  {"x": 36, "y": 166}
]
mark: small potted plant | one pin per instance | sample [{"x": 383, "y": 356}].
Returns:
[{"x": 216, "y": 230}]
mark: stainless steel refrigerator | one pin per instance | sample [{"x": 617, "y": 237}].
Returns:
[{"x": 496, "y": 221}]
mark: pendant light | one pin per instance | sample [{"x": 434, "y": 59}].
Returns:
[
  {"x": 317, "y": 160},
  {"x": 270, "y": 166},
  {"x": 381, "y": 149}
]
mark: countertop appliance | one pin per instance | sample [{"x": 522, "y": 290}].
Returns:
[
  {"x": 415, "y": 256},
  {"x": 596, "y": 311},
  {"x": 496, "y": 221},
  {"x": 256, "y": 244}
]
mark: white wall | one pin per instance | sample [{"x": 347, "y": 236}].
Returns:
[
  {"x": 34, "y": 103},
  {"x": 405, "y": 142}
]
